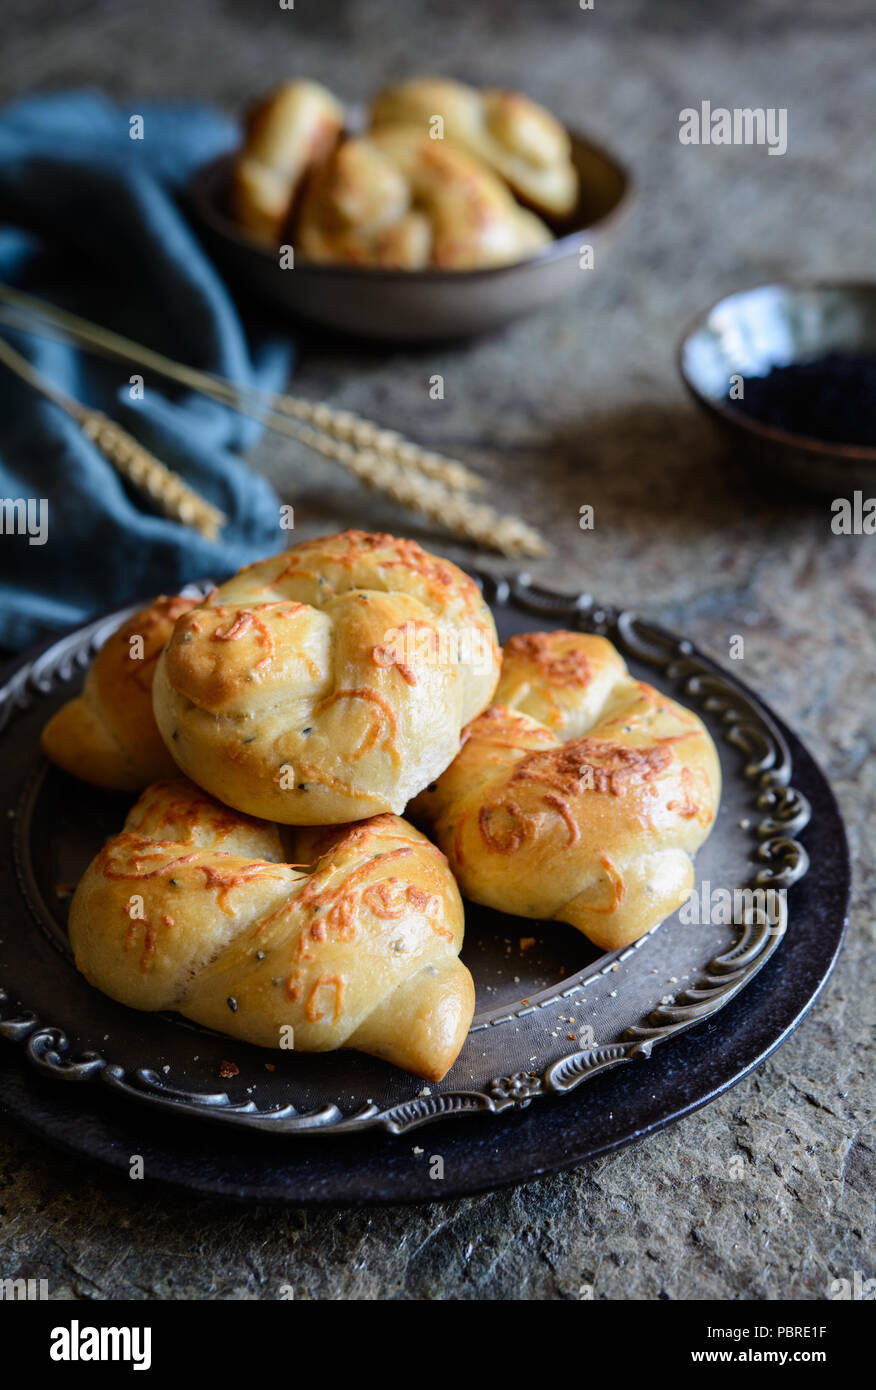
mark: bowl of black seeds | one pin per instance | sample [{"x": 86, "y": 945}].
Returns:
[{"x": 788, "y": 373}]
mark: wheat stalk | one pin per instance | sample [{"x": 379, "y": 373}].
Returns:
[
  {"x": 132, "y": 461},
  {"x": 472, "y": 521},
  {"x": 428, "y": 483},
  {"x": 350, "y": 428},
  {"x": 124, "y": 452},
  {"x": 252, "y": 400}
]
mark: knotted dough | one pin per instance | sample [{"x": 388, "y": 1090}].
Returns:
[
  {"x": 287, "y": 133},
  {"x": 107, "y": 735},
  {"x": 397, "y": 199},
  {"x": 515, "y": 137},
  {"x": 194, "y": 907},
  {"x": 328, "y": 683},
  {"x": 580, "y": 794}
]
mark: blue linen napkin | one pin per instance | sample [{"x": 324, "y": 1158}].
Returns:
[{"x": 90, "y": 219}]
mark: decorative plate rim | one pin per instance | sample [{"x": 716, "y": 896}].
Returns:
[{"x": 784, "y": 813}]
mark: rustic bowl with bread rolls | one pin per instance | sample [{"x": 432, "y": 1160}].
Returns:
[
  {"x": 324, "y": 841},
  {"x": 441, "y": 211}
]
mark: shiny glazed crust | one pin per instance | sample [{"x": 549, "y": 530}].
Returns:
[
  {"x": 194, "y": 907},
  {"x": 514, "y": 136},
  {"x": 107, "y": 735},
  {"x": 328, "y": 683},
  {"x": 287, "y": 134},
  {"x": 580, "y": 794},
  {"x": 398, "y": 199}
]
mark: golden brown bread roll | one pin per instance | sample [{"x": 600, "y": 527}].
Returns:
[
  {"x": 108, "y": 735},
  {"x": 327, "y": 683},
  {"x": 518, "y": 139},
  {"x": 193, "y": 908},
  {"x": 398, "y": 199},
  {"x": 287, "y": 133},
  {"x": 579, "y": 795}
]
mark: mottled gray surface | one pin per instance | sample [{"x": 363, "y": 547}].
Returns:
[{"x": 580, "y": 405}]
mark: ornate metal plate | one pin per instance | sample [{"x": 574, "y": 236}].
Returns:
[{"x": 552, "y": 1012}]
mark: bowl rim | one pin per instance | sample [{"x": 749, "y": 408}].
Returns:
[
  {"x": 738, "y": 419},
  {"x": 201, "y": 180}
]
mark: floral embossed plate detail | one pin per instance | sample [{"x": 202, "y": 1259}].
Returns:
[{"x": 552, "y": 1012}]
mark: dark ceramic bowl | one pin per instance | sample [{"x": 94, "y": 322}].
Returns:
[
  {"x": 749, "y": 333},
  {"x": 420, "y": 305}
]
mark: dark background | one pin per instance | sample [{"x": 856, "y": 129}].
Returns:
[{"x": 579, "y": 405}]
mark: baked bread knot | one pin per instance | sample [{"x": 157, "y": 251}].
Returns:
[
  {"x": 398, "y": 199},
  {"x": 514, "y": 136},
  {"x": 107, "y": 735},
  {"x": 287, "y": 134},
  {"x": 194, "y": 907},
  {"x": 327, "y": 683},
  {"x": 580, "y": 795}
]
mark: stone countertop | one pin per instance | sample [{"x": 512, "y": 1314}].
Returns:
[{"x": 579, "y": 405}]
